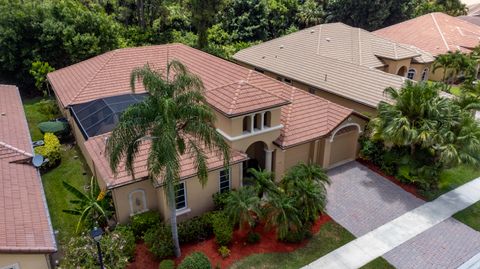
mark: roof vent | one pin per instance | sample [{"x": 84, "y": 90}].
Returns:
[
  {"x": 328, "y": 39},
  {"x": 281, "y": 46},
  {"x": 4, "y": 113},
  {"x": 312, "y": 31}
]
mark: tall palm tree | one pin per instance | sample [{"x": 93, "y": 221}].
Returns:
[
  {"x": 280, "y": 212},
  {"x": 264, "y": 182},
  {"x": 176, "y": 120},
  {"x": 91, "y": 204},
  {"x": 445, "y": 62},
  {"x": 310, "y": 13},
  {"x": 243, "y": 207}
]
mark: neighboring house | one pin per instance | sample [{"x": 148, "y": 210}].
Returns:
[
  {"x": 471, "y": 19},
  {"x": 26, "y": 234},
  {"x": 346, "y": 65},
  {"x": 436, "y": 33},
  {"x": 267, "y": 123},
  {"x": 473, "y": 8}
]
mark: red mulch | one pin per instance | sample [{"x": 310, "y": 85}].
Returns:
[
  {"x": 406, "y": 187},
  {"x": 239, "y": 248}
]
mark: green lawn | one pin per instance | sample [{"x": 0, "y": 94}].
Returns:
[
  {"x": 378, "y": 263},
  {"x": 330, "y": 237},
  {"x": 71, "y": 169},
  {"x": 451, "y": 179}
]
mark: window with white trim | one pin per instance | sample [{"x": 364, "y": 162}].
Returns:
[
  {"x": 411, "y": 73},
  {"x": 425, "y": 74},
  {"x": 138, "y": 202},
  {"x": 181, "y": 196},
  {"x": 224, "y": 180}
]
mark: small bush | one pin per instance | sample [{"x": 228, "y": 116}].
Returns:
[
  {"x": 126, "y": 234},
  {"x": 140, "y": 223},
  {"x": 224, "y": 251},
  {"x": 48, "y": 108},
  {"x": 220, "y": 199},
  {"x": 222, "y": 229},
  {"x": 51, "y": 150},
  {"x": 159, "y": 241},
  {"x": 253, "y": 238},
  {"x": 196, "y": 260},
  {"x": 167, "y": 264},
  {"x": 297, "y": 236},
  {"x": 194, "y": 230}
]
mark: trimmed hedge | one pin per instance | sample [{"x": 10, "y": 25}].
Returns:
[
  {"x": 222, "y": 228},
  {"x": 141, "y": 223},
  {"x": 167, "y": 264},
  {"x": 196, "y": 260},
  {"x": 159, "y": 241},
  {"x": 194, "y": 230}
]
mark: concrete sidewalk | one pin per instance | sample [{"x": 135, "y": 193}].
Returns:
[{"x": 394, "y": 233}]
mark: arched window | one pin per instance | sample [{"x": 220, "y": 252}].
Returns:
[
  {"x": 267, "y": 119},
  {"x": 425, "y": 74},
  {"x": 257, "y": 121},
  {"x": 138, "y": 201},
  {"x": 247, "y": 124},
  {"x": 411, "y": 73}
]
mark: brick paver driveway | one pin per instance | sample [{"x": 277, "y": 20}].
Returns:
[{"x": 361, "y": 200}]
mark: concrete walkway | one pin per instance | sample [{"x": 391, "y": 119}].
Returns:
[{"x": 391, "y": 235}]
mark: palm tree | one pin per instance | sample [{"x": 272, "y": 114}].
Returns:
[
  {"x": 281, "y": 212},
  {"x": 306, "y": 183},
  {"x": 264, "y": 182},
  {"x": 310, "y": 13},
  {"x": 243, "y": 207},
  {"x": 176, "y": 120},
  {"x": 90, "y": 204},
  {"x": 443, "y": 61}
]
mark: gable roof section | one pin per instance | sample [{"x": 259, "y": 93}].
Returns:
[
  {"x": 214, "y": 72},
  {"x": 436, "y": 33},
  {"x": 24, "y": 219}
]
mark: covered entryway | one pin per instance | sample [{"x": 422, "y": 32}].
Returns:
[
  {"x": 343, "y": 144},
  {"x": 260, "y": 158}
]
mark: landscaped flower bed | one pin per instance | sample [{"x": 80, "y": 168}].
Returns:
[{"x": 239, "y": 247}]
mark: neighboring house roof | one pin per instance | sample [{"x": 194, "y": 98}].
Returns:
[
  {"x": 436, "y": 33},
  {"x": 340, "y": 65},
  {"x": 471, "y": 19},
  {"x": 24, "y": 219},
  {"x": 109, "y": 75},
  {"x": 96, "y": 148},
  {"x": 474, "y": 10}
]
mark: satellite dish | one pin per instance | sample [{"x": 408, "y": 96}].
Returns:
[{"x": 37, "y": 161}]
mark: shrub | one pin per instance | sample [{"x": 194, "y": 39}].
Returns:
[
  {"x": 159, "y": 241},
  {"x": 142, "y": 222},
  {"x": 220, "y": 199},
  {"x": 297, "y": 236},
  {"x": 222, "y": 229},
  {"x": 253, "y": 237},
  {"x": 167, "y": 264},
  {"x": 51, "y": 150},
  {"x": 49, "y": 108},
  {"x": 224, "y": 251},
  {"x": 195, "y": 230},
  {"x": 117, "y": 249},
  {"x": 196, "y": 260}
]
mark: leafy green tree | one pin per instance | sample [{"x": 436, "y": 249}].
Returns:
[
  {"x": 88, "y": 205},
  {"x": 203, "y": 15},
  {"x": 176, "y": 119},
  {"x": 281, "y": 213},
  {"x": 246, "y": 20},
  {"x": 306, "y": 183},
  {"x": 39, "y": 72},
  {"x": 450, "y": 7},
  {"x": 243, "y": 207},
  {"x": 310, "y": 13},
  {"x": 456, "y": 63},
  {"x": 263, "y": 182}
]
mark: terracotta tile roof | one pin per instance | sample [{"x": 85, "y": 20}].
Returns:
[
  {"x": 241, "y": 97},
  {"x": 96, "y": 149},
  {"x": 436, "y": 33},
  {"x": 113, "y": 78},
  {"x": 24, "y": 218}
]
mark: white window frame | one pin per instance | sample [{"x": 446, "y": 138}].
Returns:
[
  {"x": 229, "y": 179},
  {"x": 184, "y": 197},
  {"x": 425, "y": 74},
  {"x": 12, "y": 266},
  {"x": 410, "y": 71},
  {"x": 144, "y": 198}
]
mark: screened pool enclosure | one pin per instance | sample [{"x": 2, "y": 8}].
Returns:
[{"x": 100, "y": 116}]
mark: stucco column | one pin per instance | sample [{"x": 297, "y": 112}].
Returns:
[
  {"x": 315, "y": 151},
  {"x": 241, "y": 174},
  {"x": 262, "y": 120},
  {"x": 268, "y": 159},
  {"x": 252, "y": 119},
  {"x": 326, "y": 153}
]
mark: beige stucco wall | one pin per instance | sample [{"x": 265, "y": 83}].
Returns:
[
  {"x": 234, "y": 126},
  {"x": 25, "y": 261},
  {"x": 393, "y": 66},
  {"x": 121, "y": 198},
  {"x": 199, "y": 198},
  {"x": 419, "y": 70}
]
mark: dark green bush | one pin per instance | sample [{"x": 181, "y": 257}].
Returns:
[
  {"x": 195, "y": 230},
  {"x": 167, "y": 264},
  {"x": 222, "y": 229},
  {"x": 220, "y": 199},
  {"x": 159, "y": 241},
  {"x": 370, "y": 150},
  {"x": 48, "y": 108},
  {"x": 126, "y": 233},
  {"x": 297, "y": 236},
  {"x": 253, "y": 237},
  {"x": 196, "y": 260},
  {"x": 140, "y": 223}
]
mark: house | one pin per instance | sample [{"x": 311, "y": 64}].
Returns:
[
  {"x": 471, "y": 19},
  {"x": 436, "y": 33},
  {"x": 268, "y": 124},
  {"x": 346, "y": 65},
  {"x": 26, "y": 234}
]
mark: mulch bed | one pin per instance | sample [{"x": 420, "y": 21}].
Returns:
[
  {"x": 406, "y": 187},
  {"x": 239, "y": 248}
]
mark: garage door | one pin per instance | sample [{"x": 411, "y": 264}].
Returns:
[{"x": 344, "y": 146}]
